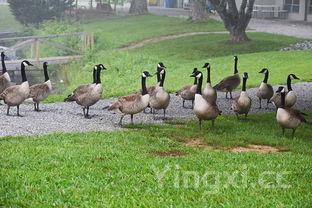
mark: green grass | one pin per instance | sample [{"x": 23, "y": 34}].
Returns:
[
  {"x": 180, "y": 55},
  {"x": 117, "y": 31},
  {"x": 183, "y": 54},
  {"x": 118, "y": 169},
  {"x": 7, "y": 21}
]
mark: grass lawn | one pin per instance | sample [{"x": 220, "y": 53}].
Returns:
[
  {"x": 137, "y": 167},
  {"x": 183, "y": 54},
  {"x": 7, "y": 20}
]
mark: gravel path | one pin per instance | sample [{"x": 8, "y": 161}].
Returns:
[{"x": 67, "y": 117}]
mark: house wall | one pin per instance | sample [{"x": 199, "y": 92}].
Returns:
[{"x": 292, "y": 16}]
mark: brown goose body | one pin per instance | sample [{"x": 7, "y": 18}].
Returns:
[
  {"x": 39, "y": 92},
  {"x": 134, "y": 103},
  {"x": 228, "y": 84},
  {"x": 17, "y": 94},
  {"x": 203, "y": 109},
  {"x": 242, "y": 103},
  {"x": 288, "y": 118}
]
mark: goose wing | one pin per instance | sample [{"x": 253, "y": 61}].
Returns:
[
  {"x": 297, "y": 114},
  {"x": 9, "y": 93},
  {"x": 125, "y": 100},
  {"x": 229, "y": 82},
  {"x": 38, "y": 90}
]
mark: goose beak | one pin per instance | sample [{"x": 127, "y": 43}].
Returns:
[{"x": 192, "y": 75}]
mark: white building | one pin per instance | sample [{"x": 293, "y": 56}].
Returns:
[{"x": 291, "y": 9}]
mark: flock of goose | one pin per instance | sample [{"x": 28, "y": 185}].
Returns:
[{"x": 156, "y": 98}]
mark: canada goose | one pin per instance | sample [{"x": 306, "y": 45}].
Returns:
[
  {"x": 209, "y": 93},
  {"x": 242, "y": 103},
  {"x": 203, "y": 109},
  {"x": 15, "y": 95},
  {"x": 151, "y": 89},
  {"x": 134, "y": 103},
  {"x": 188, "y": 91},
  {"x": 160, "y": 66},
  {"x": 88, "y": 95},
  {"x": 265, "y": 90},
  {"x": 39, "y": 92},
  {"x": 291, "y": 97},
  {"x": 159, "y": 98},
  {"x": 288, "y": 118},
  {"x": 228, "y": 84},
  {"x": 5, "y": 79}
]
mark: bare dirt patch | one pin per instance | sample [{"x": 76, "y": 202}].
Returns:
[
  {"x": 170, "y": 153},
  {"x": 262, "y": 149},
  {"x": 194, "y": 142}
]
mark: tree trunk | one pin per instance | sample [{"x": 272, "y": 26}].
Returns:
[
  {"x": 138, "y": 7},
  {"x": 198, "y": 10},
  {"x": 238, "y": 33},
  {"x": 235, "y": 20}
]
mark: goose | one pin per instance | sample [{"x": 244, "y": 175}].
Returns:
[
  {"x": 188, "y": 91},
  {"x": 242, "y": 103},
  {"x": 15, "y": 95},
  {"x": 228, "y": 84},
  {"x": 291, "y": 97},
  {"x": 265, "y": 90},
  {"x": 209, "y": 93},
  {"x": 134, "y": 103},
  {"x": 5, "y": 80},
  {"x": 159, "y": 98},
  {"x": 203, "y": 109},
  {"x": 288, "y": 118},
  {"x": 39, "y": 92},
  {"x": 151, "y": 89},
  {"x": 88, "y": 95}
]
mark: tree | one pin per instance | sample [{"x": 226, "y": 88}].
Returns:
[
  {"x": 138, "y": 7},
  {"x": 235, "y": 21},
  {"x": 198, "y": 10},
  {"x": 34, "y": 12}
]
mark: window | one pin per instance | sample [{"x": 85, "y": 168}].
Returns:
[
  {"x": 310, "y": 7},
  {"x": 292, "y": 5}
]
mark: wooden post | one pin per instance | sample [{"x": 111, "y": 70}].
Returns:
[{"x": 37, "y": 50}]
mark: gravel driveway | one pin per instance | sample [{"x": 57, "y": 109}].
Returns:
[{"x": 67, "y": 117}]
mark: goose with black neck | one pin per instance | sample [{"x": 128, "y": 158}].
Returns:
[
  {"x": 288, "y": 118},
  {"x": 15, "y": 95},
  {"x": 228, "y": 84},
  {"x": 39, "y": 92},
  {"x": 203, "y": 109},
  {"x": 160, "y": 98},
  {"x": 209, "y": 93},
  {"x": 242, "y": 103},
  {"x": 265, "y": 91},
  {"x": 5, "y": 79},
  {"x": 134, "y": 103},
  {"x": 88, "y": 95},
  {"x": 291, "y": 97},
  {"x": 188, "y": 91}
]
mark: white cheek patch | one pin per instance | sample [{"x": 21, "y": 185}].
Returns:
[
  {"x": 25, "y": 64},
  {"x": 143, "y": 75},
  {"x": 95, "y": 68},
  {"x": 198, "y": 76},
  {"x": 158, "y": 65}
]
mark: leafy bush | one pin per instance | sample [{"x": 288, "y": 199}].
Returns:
[{"x": 33, "y": 12}]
